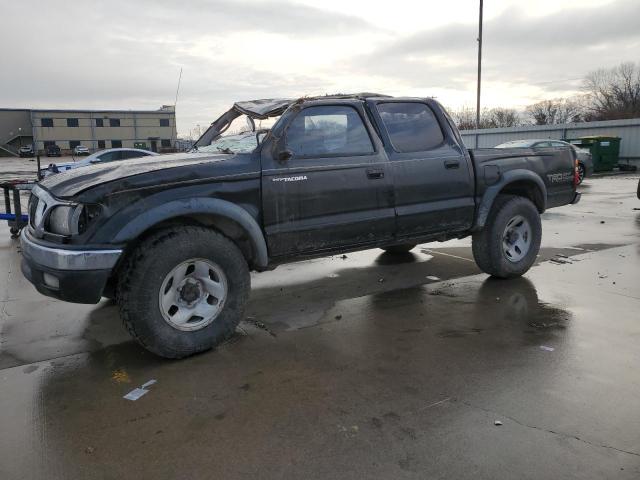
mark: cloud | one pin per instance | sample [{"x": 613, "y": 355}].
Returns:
[
  {"x": 126, "y": 54},
  {"x": 549, "y": 53}
]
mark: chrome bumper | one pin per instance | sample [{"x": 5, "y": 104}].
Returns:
[{"x": 64, "y": 259}]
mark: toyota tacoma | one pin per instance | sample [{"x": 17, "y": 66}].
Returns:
[{"x": 173, "y": 238}]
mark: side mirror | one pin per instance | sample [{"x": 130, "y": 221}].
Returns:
[{"x": 285, "y": 155}]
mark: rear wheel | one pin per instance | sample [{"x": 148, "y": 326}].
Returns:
[
  {"x": 404, "y": 248},
  {"x": 508, "y": 244},
  {"x": 581, "y": 172},
  {"x": 183, "y": 292}
]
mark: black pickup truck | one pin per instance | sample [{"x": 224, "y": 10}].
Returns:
[{"x": 173, "y": 238}]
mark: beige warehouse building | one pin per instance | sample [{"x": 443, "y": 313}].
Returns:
[{"x": 153, "y": 130}]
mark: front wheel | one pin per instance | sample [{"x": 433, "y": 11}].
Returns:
[
  {"x": 183, "y": 291},
  {"x": 509, "y": 243}
]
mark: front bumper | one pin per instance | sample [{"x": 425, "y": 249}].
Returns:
[{"x": 77, "y": 276}]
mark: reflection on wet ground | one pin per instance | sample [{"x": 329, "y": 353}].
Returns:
[{"x": 369, "y": 366}]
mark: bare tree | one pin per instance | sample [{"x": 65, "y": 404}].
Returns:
[
  {"x": 465, "y": 118},
  {"x": 500, "y": 117},
  {"x": 555, "y": 111},
  {"x": 614, "y": 93}
]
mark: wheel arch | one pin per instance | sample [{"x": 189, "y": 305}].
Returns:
[
  {"x": 228, "y": 218},
  {"x": 523, "y": 183}
]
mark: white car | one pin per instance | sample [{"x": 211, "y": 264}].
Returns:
[
  {"x": 81, "y": 150},
  {"x": 109, "y": 155}
]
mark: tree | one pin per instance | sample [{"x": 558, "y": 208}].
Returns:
[
  {"x": 465, "y": 118},
  {"x": 555, "y": 111},
  {"x": 614, "y": 93},
  {"x": 500, "y": 117}
]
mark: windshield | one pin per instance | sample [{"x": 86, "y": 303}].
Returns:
[{"x": 245, "y": 142}]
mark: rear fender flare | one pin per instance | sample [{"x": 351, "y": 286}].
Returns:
[{"x": 505, "y": 179}]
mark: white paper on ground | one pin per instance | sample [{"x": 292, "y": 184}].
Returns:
[
  {"x": 548, "y": 349},
  {"x": 149, "y": 383},
  {"x": 135, "y": 394}
]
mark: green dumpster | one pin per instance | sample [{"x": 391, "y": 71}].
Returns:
[{"x": 604, "y": 150}]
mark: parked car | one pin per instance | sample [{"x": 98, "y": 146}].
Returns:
[
  {"x": 80, "y": 150},
  {"x": 103, "y": 156},
  {"x": 173, "y": 239},
  {"x": 53, "y": 151},
  {"x": 26, "y": 151},
  {"x": 585, "y": 160}
]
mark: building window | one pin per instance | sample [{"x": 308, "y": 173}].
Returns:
[
  {"x": 73, "y": 144},
  {"x": 116, "y": 143},
  {"x": 114, "y": 122},
  {"x": 46, "y": 122},
  {"x": 72, "y": 122},
  {"x": 99, "y": 122},
  {"x": 49, "y": 143},
  {"x": 164, "y": 122},
  {"x": 101, "y": 144},
  {"x": 165, "y": 143}
]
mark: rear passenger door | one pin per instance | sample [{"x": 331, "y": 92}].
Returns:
[
  {"x": 331, "y": 189},
  {"x": 433, "y": 178}
]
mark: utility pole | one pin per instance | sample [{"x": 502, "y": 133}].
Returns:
[{"x": 479, "y": 67}]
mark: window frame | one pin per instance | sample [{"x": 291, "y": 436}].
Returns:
[
  {"x": 165, "y": 120},
  {"x": 118, "y": 146},
  {"x": 162, "y": 143},
  {"x": 71, "y": 121},
  {"x": 44, "y": 120},
  {"x": 101, "y": 122},
  {"x": 74, "y": 143},
  {"x": 104, "y": 144},
  {"x": 114, "y": 122},
  {"x": 374, "y": 150},
  {"x": 388, "y": 135}
]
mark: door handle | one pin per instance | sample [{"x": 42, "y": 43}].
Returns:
[
  {"x": 451, "y": 164},
  {"x": 375, "y": 173}
]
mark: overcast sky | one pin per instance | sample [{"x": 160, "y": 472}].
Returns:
[{"x": 128, "y": 54}]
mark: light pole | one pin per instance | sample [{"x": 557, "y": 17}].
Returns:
[
  {"x": 20, "y": 136},
  {"x": 479, "y": 67}
]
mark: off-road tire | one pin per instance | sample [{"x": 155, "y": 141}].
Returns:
[
  {"x": 141, "y": 279},
  {"x": 404, "y": 248},
  {"x": 487, "y": 243}
]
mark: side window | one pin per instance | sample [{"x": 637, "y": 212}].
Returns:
[
  {"x": 412, "y": 126},
  {"x": 328, "y": 131},
  {"x": 109, "y": 156},
  {"x": 558, "y": 144},
  {"x": 126, "y": 155},
  {"x": 542, "y": 144}
]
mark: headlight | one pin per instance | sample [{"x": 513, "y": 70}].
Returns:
[{"x": 64, "y": 219}]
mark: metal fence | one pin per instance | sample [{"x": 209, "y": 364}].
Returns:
[{"x": 627, "y": 130}]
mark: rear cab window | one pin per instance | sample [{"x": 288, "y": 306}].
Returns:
[
  {"x": 328, "y": 131},
  {"x": 411, "y": 126}
]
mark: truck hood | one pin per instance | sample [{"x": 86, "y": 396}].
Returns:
[{"x": 75, "y": 181}]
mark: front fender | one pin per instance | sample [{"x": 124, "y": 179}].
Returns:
[
  {"x": 191, "y": 206},
  {"x": 507, "y": 178}
]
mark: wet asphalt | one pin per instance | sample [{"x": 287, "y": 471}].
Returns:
[{"x": 363, "y": 366}]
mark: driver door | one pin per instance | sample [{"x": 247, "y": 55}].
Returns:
[{"x": 333, "y": 190}]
